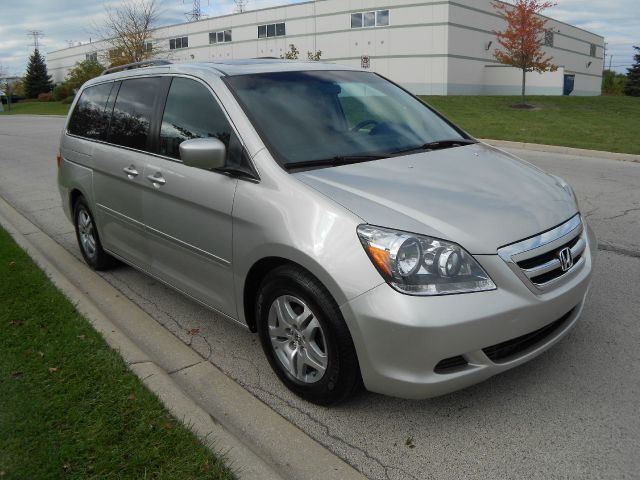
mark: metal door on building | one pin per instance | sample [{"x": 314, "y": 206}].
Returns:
[{"x": 569, "y": 83}]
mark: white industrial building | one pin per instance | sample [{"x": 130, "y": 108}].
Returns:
[{"x": 432, "y": 47}]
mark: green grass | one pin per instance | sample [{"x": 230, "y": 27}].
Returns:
[
  {"x": 36, "y": 108},
  {"x": 596, "y": 123},
  {"x": 69, "y": 408}
]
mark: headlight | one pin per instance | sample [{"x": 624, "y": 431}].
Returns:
[{"x": 420, "y": 265}]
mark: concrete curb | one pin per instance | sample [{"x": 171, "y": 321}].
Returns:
[
  {"x": 256, "y": 442},
  {"x": 579, "y": 152}
]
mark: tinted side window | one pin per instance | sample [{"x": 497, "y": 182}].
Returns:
[
  {"x": 89, "y": 119},
  {"x": 132, "y": 112},
  {"x": 191, "y": 112}
]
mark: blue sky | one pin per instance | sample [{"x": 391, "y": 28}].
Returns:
[{"x": 71, "y": 20}]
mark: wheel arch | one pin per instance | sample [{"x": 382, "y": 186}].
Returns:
[
  {"x": 259, "y": 270},
  {"x": 74, "y": 194}
]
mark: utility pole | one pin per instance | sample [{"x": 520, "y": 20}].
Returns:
[{"x": 36, "y": 34}]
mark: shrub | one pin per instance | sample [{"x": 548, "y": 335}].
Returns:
[
  {"x": 45, "y": 97},
  {"x": 68, "y": 100},
  {"x": 61, "y": 92}
]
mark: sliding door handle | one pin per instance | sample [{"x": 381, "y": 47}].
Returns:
[{"x": 131, "y": 172}]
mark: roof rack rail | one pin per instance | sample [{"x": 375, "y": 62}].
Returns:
[{"x": 132, "y": 66}]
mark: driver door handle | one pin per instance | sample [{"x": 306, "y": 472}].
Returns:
[{"x": 157, "y": 179}]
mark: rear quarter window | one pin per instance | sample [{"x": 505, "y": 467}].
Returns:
[{"x": 90, "y": 118}]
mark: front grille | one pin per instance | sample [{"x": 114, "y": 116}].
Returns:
[
  {"x": 452, "y": 364},
  {"x": 537, "y": 260},
  {"x": 552, "y": 259},
  {"x": 506, "y": 351}
]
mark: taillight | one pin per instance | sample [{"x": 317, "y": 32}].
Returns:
[{"x": 58, "y": 159}]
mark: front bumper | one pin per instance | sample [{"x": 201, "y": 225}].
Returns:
[{"x": 400, "y": 339}]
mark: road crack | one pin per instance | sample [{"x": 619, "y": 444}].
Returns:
[
  {"x": 623, "y": 214},
  {"x": 619, "y": 250}
]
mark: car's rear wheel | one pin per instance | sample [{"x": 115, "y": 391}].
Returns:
[
  {"x": 88, "y": 238},
  {"x": 305, "y": 338}
]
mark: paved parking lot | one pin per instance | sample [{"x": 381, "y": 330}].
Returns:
[{"x": 572, "y": 413}]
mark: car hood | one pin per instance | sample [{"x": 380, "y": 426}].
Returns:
[{"x": 477, "y": 196}]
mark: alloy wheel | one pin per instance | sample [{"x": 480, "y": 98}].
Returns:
[
  {"x": 86, "y": 233},
  {"x": 297, "y": 339}
]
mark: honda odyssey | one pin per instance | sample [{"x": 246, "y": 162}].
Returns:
[{"x": 364, "y": 237}]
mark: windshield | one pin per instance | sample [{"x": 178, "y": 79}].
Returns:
[{"x": 313, "y": 116}]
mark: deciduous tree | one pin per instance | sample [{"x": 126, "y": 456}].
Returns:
[
  {"x": 613, "y": 83},
  {"x": 37, "y": 80},
  {"x": 522, "y": 41},
  {"x": 83, "y": 71},
  {"x": 128, "y": 29},
  {"x": 632, "y": 87}
]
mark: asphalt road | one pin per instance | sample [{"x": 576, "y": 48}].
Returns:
[{"x": 572, "y": 413}]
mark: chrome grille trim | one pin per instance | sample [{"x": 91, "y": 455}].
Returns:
[
  {"x": 550, "y": 266},
  {"x": 570, "y": 234}
]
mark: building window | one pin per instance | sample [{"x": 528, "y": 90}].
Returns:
[
  {"x": 148, "y": 46},
  {"x": 180, "y": 42},
  {"x": 379, "y": 18},
  {"x": 272, "y": 30},
  {"x": 369, "y": 19},
  {"x": 548, "y": 38},
  {"x": 382, "y": 18},
  {"x": 93, "y": 56},
  {"x": 594, "y": 50},
  {"x": 356, "y": 20},
  {"x": 223, "y": 36}
]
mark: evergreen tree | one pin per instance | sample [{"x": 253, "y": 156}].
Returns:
[
  {"x": 632, "y": 87},
  {"x": 37, "y": 80}
]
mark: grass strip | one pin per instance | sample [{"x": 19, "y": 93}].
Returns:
[
  {"x": 69, "y": 407},
  {"x": 596, "y": 123},
  {"x": 36, "y": 108}
]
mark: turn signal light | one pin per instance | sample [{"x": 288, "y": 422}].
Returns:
[{"x": 58, "y": 159}]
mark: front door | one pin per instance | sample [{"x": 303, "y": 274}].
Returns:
[{"x": 187, "y": 210}]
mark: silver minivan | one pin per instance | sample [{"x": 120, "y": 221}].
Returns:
[{"x": 363, "y": 236}]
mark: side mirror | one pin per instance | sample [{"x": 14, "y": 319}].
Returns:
[{"x": 206, "y": 153}]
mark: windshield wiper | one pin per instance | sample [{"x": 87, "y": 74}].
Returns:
[
  {"x": 334, "y": 162},
  {"x": 437, "y": 145}
]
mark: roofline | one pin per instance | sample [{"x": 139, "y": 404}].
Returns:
[{"x": 450, "y": 2}]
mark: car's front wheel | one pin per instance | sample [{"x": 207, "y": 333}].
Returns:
[{"x": 305, "y": 338}]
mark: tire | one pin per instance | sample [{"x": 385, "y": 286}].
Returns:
[
  {"x": 305, "y": 337},
  {"x": 88, "y": 238}
]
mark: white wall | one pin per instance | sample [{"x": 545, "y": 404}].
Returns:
[
  {"x": 505, "y": 80},
  {"x": 431, "y": 46}
]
